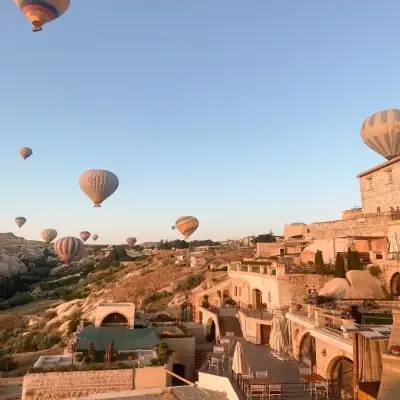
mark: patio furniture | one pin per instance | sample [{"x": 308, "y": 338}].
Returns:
[
  {"x": 214, "y": 363},
  {"x": 230, "y": 362},
  {"x": 321, "y": 389},
  {"x": 303, "y": 373},
  {"x": 262, "y": 374},
  {"x": 256, "y": 391},
  {"x": 275, "y": 391},
  {"x": 218, "y": 349},
  {"x": 242, "y": 378},
  {"x": 230, "y": 334}
]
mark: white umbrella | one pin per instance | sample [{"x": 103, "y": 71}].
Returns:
[
  {"x": 277, "y": 338},
  {"x": 239, "y": 365},
  {"x": 394, "y": 244}
]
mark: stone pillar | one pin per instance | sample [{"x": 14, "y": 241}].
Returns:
[{"x": 355, "y": 365}]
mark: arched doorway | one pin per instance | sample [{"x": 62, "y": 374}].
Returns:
[
  {"x": 210, "y": 330},
  {"x": 226, "y": 294},
  {"x": 342, "y": 378},
  {"x": 307, "y": 350},
  {"x": 256, "y": 299},
  {"x": 395, "y": 284},
  {"x": 114, "y": 319}
]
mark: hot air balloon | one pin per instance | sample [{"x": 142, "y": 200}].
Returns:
[
  {"x": 95, "y": 236},
  {"x": 40, "y": 12},
  {"x": 25, "y": 152},
  {"x": 131, "y": 241},
  {"x": 173, "y": 227},
  {"x": 98, "y": 185},
  {"x": 48, "y": 235},
  {"x": 381, "y": 132},
  {"x": 84, "y": 235},
  {"x": 20, "y": 221},
  {"x": 187, "y": 225},
  {"x": 67, "y": 248}
]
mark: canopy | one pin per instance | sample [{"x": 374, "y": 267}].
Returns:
[{"x": 239, "y": 365}]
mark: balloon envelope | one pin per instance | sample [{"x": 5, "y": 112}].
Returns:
[
  {"x": 131, "y": 241},
  {"x": 40, "y": 12},
  {"x": 381, "y": 132},
  {"x": 67, "y": 248},
  {"x": 20, "y": 221},
  {"x": 187, "y": 225},
  {"x": 98, "y": 185},
  {"x": 25, "y": 152},
  {"x": 84, "y": 235},
  {"x": 95, "y": 236},
  {"x": 48, "y": 235}
]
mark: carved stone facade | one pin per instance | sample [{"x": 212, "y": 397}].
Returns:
[
  {"x": 380, "y": 187},
  {"x": 65, "y": 385}
]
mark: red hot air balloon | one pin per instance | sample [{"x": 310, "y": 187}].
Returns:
[
  {"x": 85, "y": 235},
  {"x": 25, "y": 152},
  {"x": 131, "y": 241},
  {"x": 67, "y": 248}
]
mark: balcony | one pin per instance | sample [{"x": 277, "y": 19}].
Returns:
[
  {"x": 256, "y": 268},
  {"x": 262, "y": 313}
]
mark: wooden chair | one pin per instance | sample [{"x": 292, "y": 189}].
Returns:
[
  {"x": 214, "y": 363},
  {"x": 305, "y": 371},
  {"x": 218, "y": 349},
  {"x": 275, "y": 391},
  {"x": 230, "y": 334},
  {"x": 262, "y": 374}
]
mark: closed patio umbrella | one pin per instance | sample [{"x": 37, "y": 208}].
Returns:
[
  {"x": 239, "y": 365},
  {"x": 277, "y": 336}
]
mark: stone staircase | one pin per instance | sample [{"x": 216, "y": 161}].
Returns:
[
  {"x": 230, "y": 324},
  {"x": 201, "y": 342}
]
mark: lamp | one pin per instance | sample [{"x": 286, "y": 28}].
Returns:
[{"x": 323, "y": 352}]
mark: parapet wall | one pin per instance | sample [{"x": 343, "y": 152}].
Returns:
[
  {"x": 65, "y": 385},
  {"x": 362, "y": 225}
]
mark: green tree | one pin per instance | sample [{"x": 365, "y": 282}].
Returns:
[
  {"x": 319, "y": 263},
  {"x": 265, "y": 238},
  {"x": 339, "y": 267},
  {"x": 353, "y": 260}
]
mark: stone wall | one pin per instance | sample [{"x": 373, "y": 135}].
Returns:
[
  {"x": 381, "y": 188},
  {"x": 365, "y": 225},
  {"x": 300, "y": 283},
  {"x": 63, "y": 385}
]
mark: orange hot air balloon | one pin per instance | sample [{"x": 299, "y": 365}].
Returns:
[
  {"x": 67, "y": 248},
  {"x": 40, "y": 12},
  {"x": 187, "y": 225}
]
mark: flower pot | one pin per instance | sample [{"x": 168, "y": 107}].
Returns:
[{"x": 395, "y": 350}]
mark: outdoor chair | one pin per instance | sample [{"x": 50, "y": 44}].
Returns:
[
  {"x": 243, "y": 377},
  {"x": 256, "y": 391},
  {"x": 227, "y": 342},
  {"x": 214, "y": 363},
  {"x": 230, "y": 334},
  {"x": 321, "y": 389},
  {"x": 218, "y": 349},
  {"x": 262, "y": 374},
  {"x": 275, "y": 391},
  {"x": 305, "y": 371},
  {"x": 230, "y": 363}
]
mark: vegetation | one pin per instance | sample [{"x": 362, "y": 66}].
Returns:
[
  {"x": 353, "y": 260},
  {"x": 265, "y": 238},
  {"x": 190, "y": 282},
  {"x": 339, "y": 267},
  {"x": 156, "y": 297},
  {"x": 33, "y": 341},
  {"x": 375, "y": 270},
  {"x": 319, "y": 263}
]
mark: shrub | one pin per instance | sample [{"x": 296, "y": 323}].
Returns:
[
  {"x": 190, "y": 282},
  {"x": 205, "y": 303},
  {"x": 375, "y": 270},
  {"x": 74, "y": 322}
]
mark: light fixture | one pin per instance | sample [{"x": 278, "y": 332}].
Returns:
[{"x": 323, "y": 352}]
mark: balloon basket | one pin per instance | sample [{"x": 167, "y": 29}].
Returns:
[{"x": 97, "y": 205}]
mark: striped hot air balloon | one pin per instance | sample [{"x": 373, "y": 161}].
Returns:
[
  {"x": 40, "y": 12},
  {"x": 49, "y": 235},
  {"x": 25, "y": 152},
  {"x": 67, "y": 248},
  {"x": 98, "y": 185},
  {"x": 95, "y": 236},
  {"x": 187, "y": 225},
  {"x": 131, "y": 241},
  {"x": 20, "y": 221},
  {"x": 85, "y": 235}
]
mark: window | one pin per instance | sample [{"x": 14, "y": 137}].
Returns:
[
  {"x": 235, "y": 290},
  {"x": 308, "y": 230},
  {"x": 269, "y": 297},
  {"x": 378, "y": 209},
  {"x": 369, "y": 184},
  {"x": 240, "y": 292}
]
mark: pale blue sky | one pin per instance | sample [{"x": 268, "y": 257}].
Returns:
[{"x": 245, "y": 114}]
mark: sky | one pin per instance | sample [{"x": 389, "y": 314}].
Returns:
[{"x": 245, "y": 114}]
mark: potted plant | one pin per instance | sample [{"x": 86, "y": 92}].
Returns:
[{"x": 395, "y": 350}]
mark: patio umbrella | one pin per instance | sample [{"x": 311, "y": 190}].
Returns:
[
  {"x": 277, "y": 336},
  {"x": 239, "y": 365}
]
